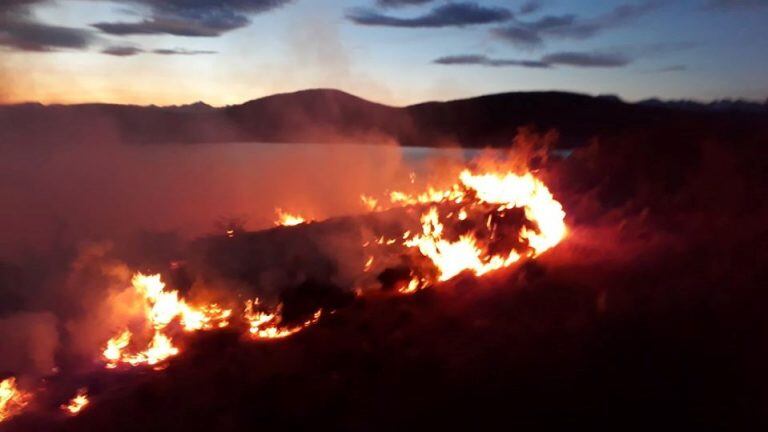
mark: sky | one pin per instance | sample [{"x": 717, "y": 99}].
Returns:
[{"x": 397, "y": 52}]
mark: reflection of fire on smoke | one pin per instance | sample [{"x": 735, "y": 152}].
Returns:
[
  {"x": 12, "y": 399},
  {"x": 77, "y": 403}
]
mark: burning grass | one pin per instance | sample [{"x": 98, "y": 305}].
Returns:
[{"x": 484, "y": 222}]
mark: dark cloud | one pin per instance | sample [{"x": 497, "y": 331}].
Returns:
[
  {"x": 580, "y": 59},
  {"x": 570, "y": 26},
  {"x": 574, "y": 59},
  {"x": 122, "y": 51},
  {"x": 482, "y": 60},
  {"x": 193, "y": 18},
  {"x": 529, "y": 7},
  {"x": 519, "y": 35},
  {"x": 447, "y": 15},
  {"x": 127, "y": 51},
  {"x": 181, "y": 51},
  {"x": 399, "y": 3},
  {"x": 18, "y": 30}
]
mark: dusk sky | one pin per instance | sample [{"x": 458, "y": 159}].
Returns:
[{"x": 390, "y": 51}]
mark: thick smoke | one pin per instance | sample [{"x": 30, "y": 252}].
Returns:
[{"x": 80, "y": 217}]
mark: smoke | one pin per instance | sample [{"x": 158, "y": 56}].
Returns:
[
  {"x": 81, "y": 216},
  {"x": 29, "y": 343},
  {"x": 58, "y": 196}
]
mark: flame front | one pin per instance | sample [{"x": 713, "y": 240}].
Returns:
[
  {"x": 510, "y": 191},
  {"x": 490, "y": 195},
  {"x": 77, "y": 403},
  {"x": 162, "y": 308},
  {"x": 12, "y": 399}
]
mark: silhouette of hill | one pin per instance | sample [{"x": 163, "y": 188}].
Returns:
[{"x": 324, "y": 115}]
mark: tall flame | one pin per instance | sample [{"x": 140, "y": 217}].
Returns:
[
  {"x": 12, "y": 399},
  {"x": 162, "y": 308},
  {"x": 501, "y": 191}
]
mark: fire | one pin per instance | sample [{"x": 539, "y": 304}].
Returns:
[
  {"x": 488, "y": 193},
  {"x": 370, "y": 203},
  {"x": 451, "y": 258},
  {"x": 12, "y": 399},
  {"x": 113, "y": 353},
  {"x": 510, "y": 191},
  {"x": 368, "y": 263},
  {"x": 268, "y": 325},
  {"x": 288, "y": 219},
  {"x": 162, "y": 308},
  {"x": 77, "y": 403}
]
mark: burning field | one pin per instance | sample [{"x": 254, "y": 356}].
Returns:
[{"x": 615, "y": 287}]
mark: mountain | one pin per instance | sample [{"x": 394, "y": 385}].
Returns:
[
  {"x": 325, "y": 115},
  {"x": 723, "y": 105}
]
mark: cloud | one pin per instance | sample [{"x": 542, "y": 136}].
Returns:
[
  {"x": 18, "y": 30},
  {"x": 570, "y": 26},
  {"x": 737, "y": 4},
  {"x": 127, "y": 51},
  {"x": 482, "y": 60},
  {"x": 191, "y": 18},
  {"x": 447, "y": 15},
  {"x": 182, "y": 51},
  {"x": 529, "y": 7},
  {"x": 580, "y": 59},
  {"x": 122, "y": 51},
  {"x": 519, "y": 35},
  {"x": 573, "y": 59},
  {"x": 400, "y": 3},
  {"x": 671, "y": 68}
]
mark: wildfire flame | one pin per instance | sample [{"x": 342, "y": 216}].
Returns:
[
  {"x": 464, "y": 227},
  {"x": 162, "y": 308},
  {"x": 288, "y": 219},
  {"x": 268, "y": 325},
  {"x": 478, "y": 193},
  {"x": 12, "y": 399},
  {"x": 77, "y": 403}
]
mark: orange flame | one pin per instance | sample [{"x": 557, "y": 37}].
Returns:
[
  {"x": 162, "y": 308},
  {"x": 288, "y": 219},
  {"x": 268, "y": 325},
  {"x": 451, "y": 258},
  {"x": 77, "y": 403},
  {"x": 501, "y": 190},
  {"x": 12, "y": 399}
]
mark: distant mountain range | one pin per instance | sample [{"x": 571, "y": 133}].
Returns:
[{"x": 324, "y": 115}]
